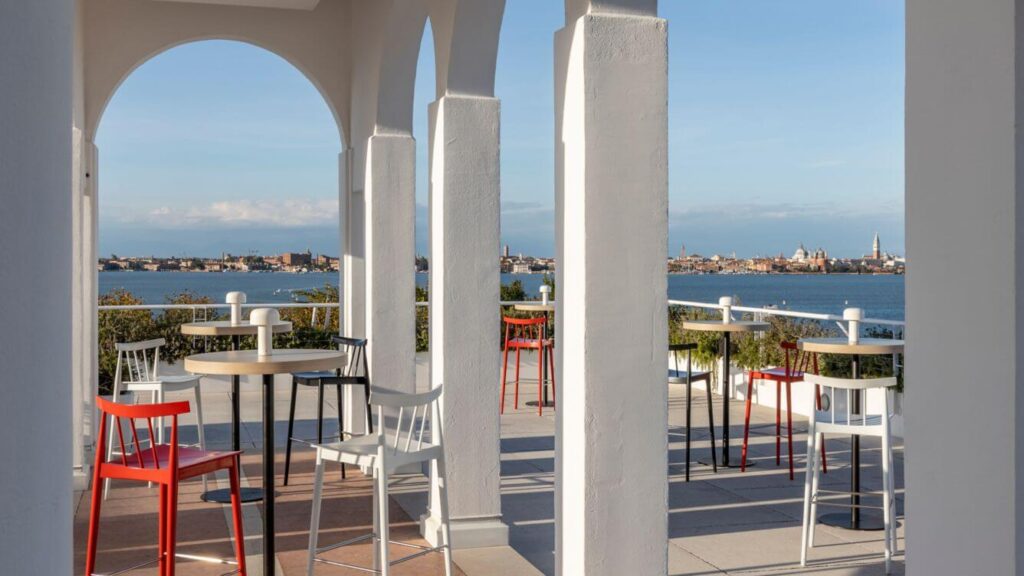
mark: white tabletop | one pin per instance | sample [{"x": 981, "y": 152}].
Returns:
[
  {"x": 226, "y": 328},
  {"x": 843, "y": 346},
  {"x": 250, "y": 362},
  {"x": 535, "y": 307},
  {"x": 719, "y": 326}
]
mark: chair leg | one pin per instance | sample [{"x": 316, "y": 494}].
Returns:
[
  {"x": 815, "y": 475},
  {"x": 446, "y": 537},
  {"x": 374, "y": 509},
  {"x": 824, "y": 460},
  {"x": 162, "y": 532},
  {"x": 807, "y": 518},
  {"x": 778, "y": 422},
  {"x": 540, "y": 380},
  {"x": 199, "y": 425},
  {"x": 504, "y": 374},
  {"x": 746, "y": 426},
  {"x": 789, "y": 425},
  {"x": 689, "y": 398},
  {"x": 314, "y": 521},
  {"x": 320, "y": 412},
  {"x": 385, "y": 535},
  {"x": 886, "y": 510},
  {"x": 711, "y": 426},
  {"x": 291, "y": 430},
  {"x": 551, "y": 375},
  {"x": 172, "y": 525},
  {"x": 94, "y": 525},
  {"x": 159, "y": 393},
  {"x": 236, "y": 516},
  {"x": 515, "y": 403},
  {"x": 341, "y": 423}
]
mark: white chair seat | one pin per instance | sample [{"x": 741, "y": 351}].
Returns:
[
  {"x": 824, "y": 420},
  {"x": 362, "y": 451}
]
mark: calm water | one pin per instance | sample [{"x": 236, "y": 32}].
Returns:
[{"x": 880, "y": 296}]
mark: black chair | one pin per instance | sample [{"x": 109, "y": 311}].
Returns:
[
  {"x": 350, "y": 376},
  {"x": 688, "y": 377}
]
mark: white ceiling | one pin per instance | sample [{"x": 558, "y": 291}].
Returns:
[{"x": 285, "y": 4}]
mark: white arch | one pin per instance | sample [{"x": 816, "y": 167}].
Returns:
[{"x": 124, "y": 34}]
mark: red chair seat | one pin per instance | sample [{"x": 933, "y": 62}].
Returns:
[
  {"x": 777, "y": 374},
  {"x": 192, "y": 462}
]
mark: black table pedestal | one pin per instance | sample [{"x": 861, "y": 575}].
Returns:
[
  {"x": 726, "y": 461},
  {"x": 854, "y": 520},
  {"x": 223, "y": 495},
  {"x": 544, "y": 368}
]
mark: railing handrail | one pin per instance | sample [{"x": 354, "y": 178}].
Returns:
[
  {"x": 212, "y": 305},
  {"x": 789, "y": 313},
  {"x": 688, "y": 303}
]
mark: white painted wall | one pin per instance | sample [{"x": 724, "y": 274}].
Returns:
[
  {"x": 611, "y": 471},
  {"x": 36, "y": 273},
  {"x": 964, "y": 417}
]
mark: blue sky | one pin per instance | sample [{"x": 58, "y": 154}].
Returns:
[{"x": 785, "y": 126}]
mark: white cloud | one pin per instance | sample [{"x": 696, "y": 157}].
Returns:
[{"x": 243, "y": 213}]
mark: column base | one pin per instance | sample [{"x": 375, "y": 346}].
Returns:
[{"x": 477, "y": 532}]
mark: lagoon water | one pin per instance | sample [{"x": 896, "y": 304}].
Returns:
[{"x": 880, "y": 296}]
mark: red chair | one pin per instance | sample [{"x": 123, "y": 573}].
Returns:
[
  {"x": 162, "y": 464},
  {"x": 797, "y": 363},
  {"x": 528, "y": 333}
]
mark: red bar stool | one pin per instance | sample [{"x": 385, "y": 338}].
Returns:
[
  {"x": 528, "y": 333},
  {"x": 163, "y": 464},
  {"x": 797, "y": 363}
]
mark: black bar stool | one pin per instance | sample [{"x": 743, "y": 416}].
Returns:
[
  {"x": 688, "y": 377},
  {"x": 349, "y": 376}
]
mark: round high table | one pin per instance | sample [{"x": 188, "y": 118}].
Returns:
[
  {"x": 546, "y": 310},
  {"x": 220, "y": 328},
  {"x": 736, "y": 326},
  {"x": 279, "y": 362},
  {"x": 866, "y": 346}
]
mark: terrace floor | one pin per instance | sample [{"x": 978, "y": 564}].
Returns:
[{"x": 726, "y": 523}]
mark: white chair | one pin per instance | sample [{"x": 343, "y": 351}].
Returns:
[
  {"x": 391, "y": 447},
  {"x": 838, "y": 418},
  {"x": 138, "y": 371}
]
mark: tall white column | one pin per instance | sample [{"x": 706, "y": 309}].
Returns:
[
  {"x": 390, "y": 260},
  {"x": 36, "y": 273},
  {"x": 612, "y": 206},
  {"x": 84, "y": 352},
  {"x": 353, "y": 279},
  {"x": 464, "y": 314},
  {"x": 965, "y": 288}
]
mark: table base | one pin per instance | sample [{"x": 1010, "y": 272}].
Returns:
[
  {"x": 868, "y": 522},
  {"x": 223, "y": 496}
]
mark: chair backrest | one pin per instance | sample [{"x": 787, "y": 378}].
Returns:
[
  {"x": 836, "y": 414},
  {"x": 148, "y": 412},
  {"x": 355, "y": 350},
  {"x": 524, "y": 328},
  {"x": 799, "y": 361},
  {"x": 138, "y": 361},
  {"x": 677, "y": 351},
  {"x": 403, "y": 429}
]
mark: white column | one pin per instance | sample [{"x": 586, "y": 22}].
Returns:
[
  {"x": 390, "y": 260},
  {"x": 353, "y": 279},
  {"x": 464, "y": 314},
  {"x": 965, "y": 288},
  {"x": 85, "y": 359},
  {"x": 612, "y": 206},
  {"x": 36, "y": 273}
]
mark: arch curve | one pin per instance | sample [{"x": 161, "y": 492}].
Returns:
[{"x": 123, "y": 35}]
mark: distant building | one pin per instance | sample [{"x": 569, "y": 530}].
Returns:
[
  {"x": 505, "y": 253},
  {"x": 801, "y": 254},
  {"x": 296, "y": 259},
  {"x": 876, "y": 249}
]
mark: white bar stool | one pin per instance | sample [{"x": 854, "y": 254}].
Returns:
[
  {"x": 837, "y": 419},
  {"x": 391, "y": 447},
  {"x": 138, "y": 371}
]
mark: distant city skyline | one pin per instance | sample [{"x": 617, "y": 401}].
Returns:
[{"x": 785, "y": 126}]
